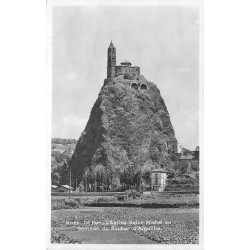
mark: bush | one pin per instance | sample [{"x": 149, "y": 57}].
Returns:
[
  {"x": 72, "y": 203},
  {"x": 57, "y": 204},
  {"x": 64, "y": 204},
  {"x": 122, "y": 198},
  {"x": 133, "y": 194},
  {"x": 57, "y": 237},
  {"x": 144, "y": 205},
  {"x": 128, "y": 76},
  {"x": 80, "y": 201}
]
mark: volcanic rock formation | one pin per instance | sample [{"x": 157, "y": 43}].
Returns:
[{"x": 128, "y": 130}]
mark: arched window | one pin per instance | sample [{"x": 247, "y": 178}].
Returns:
[
  {"x": 134, "y": 85},
  {"x": 144, "y": 86}
]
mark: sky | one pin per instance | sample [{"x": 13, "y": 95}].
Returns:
[{"x": 163, "y": 41}]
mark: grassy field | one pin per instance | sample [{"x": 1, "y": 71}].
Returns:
[
  {"x": 108, "y": 237},
  {"x": 93, "y": 225}
]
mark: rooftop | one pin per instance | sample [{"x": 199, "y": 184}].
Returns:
[
  {"x": 188, "y": 157},
  {"x": 125, "y": 62},
  {"x": 159, "y": 170},
  {"x": 111, "y": 45},
  {"x": 66, "y": 186}
]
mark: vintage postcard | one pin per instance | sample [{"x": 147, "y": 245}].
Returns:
[{"x": 125, "y": 108}]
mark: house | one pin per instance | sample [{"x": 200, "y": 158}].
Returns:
[
  {"x": 187, "y": 157},
  {"x": 158, "y": 179},
  {"x": 64, "y": 188},
  {"x": 197, "y": 153},
  {"x": 179, "y": 147},
  {"x": 173, "y": 145},
  {"x": 53, "y": 188},
  {"x": 55, "y": 152},
  {"x": 187, "y": 160}
]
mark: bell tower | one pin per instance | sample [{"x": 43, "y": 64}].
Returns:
[{"x": 111, "y": 61}]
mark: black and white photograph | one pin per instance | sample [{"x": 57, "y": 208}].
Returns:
[
  {"x": 124, "y": 124},
  {"x": 125, "y": 162}
]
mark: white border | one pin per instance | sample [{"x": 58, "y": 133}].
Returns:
[
  {"x": 197, "y": 3},
  {"x": 187, "y": 3},
  {"x": 201, "y": 126},
  {"x": 48, "y": 122}
]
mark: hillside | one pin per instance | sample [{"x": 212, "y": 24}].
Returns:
[{"x": 61, "y": 149}]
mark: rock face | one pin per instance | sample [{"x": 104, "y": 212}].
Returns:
[{"x": 128, "y": 130}]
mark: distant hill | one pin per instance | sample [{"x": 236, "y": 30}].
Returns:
[
  {"x": 61, "y": 149},
  {"x": 63, "y": 141}
]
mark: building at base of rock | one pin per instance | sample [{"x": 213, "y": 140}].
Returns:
[
  {"x": 173, "y": 145},
  {"x": 158, "y": 180}
]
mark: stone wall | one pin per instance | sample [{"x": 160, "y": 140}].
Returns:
[{"x": 122, "y": 69}]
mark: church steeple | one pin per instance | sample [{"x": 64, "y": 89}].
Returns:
[
  {"x": 111, "y": 45},
  {"x": 111, "y": 60}
]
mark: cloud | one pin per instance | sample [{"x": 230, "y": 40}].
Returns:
[
  {"x": 73, "y": 120},
  {"x": 184, "y": 70},
  {"x": 186, "y": 125},
  {"x": 70, "y": 126}
]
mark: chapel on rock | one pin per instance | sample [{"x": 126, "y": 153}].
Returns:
[{"x": 114, "y": 70}]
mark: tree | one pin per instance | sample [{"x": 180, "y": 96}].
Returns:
[
  {"x": 55, "y": 178},
  {"x": 65, "y": 172},
  {"x": 195, "y": 165},
  {"x": 183, "y": 168},
  {"x": 53, "y": 149}
]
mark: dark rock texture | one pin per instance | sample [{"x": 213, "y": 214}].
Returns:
[{"x": 127, "y": 128}]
